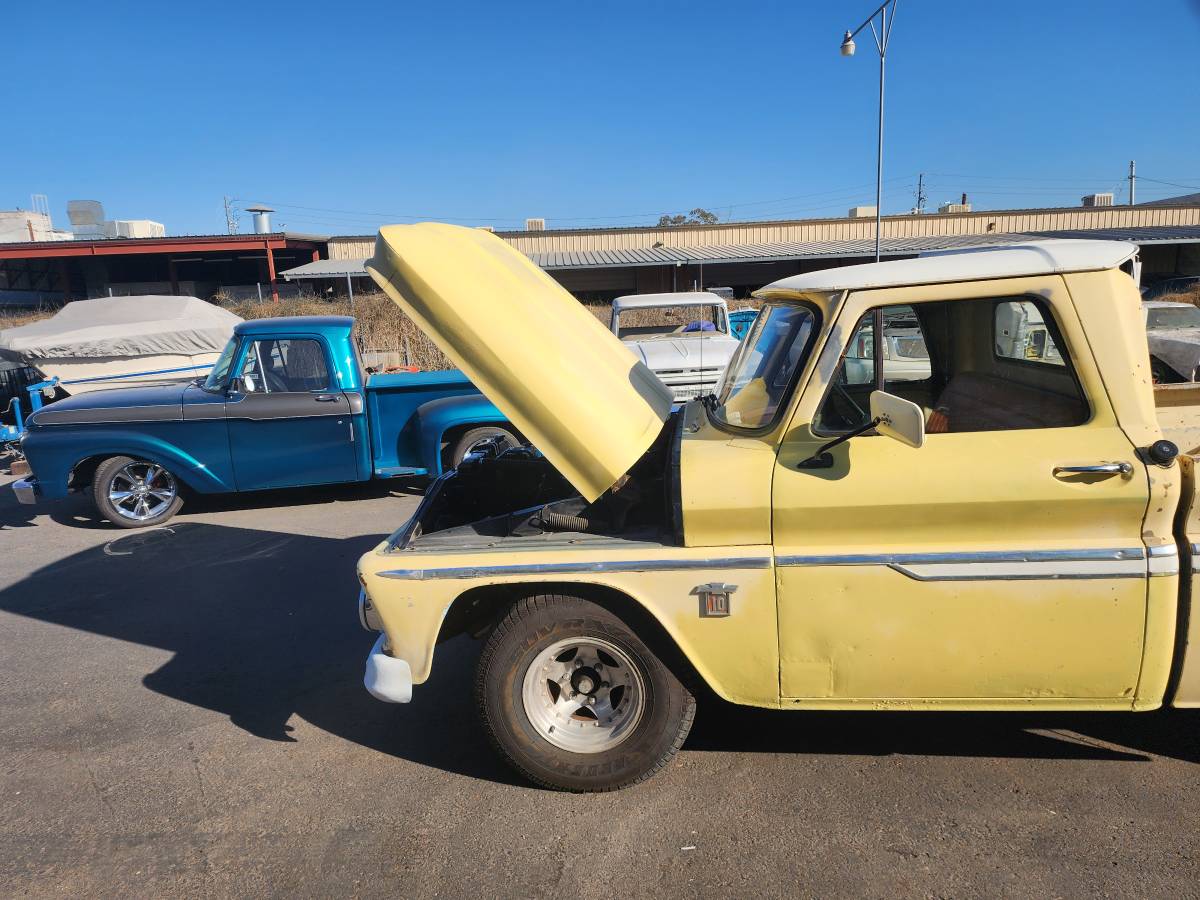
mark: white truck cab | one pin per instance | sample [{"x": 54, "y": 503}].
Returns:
[{"x": 683, "y": 338}]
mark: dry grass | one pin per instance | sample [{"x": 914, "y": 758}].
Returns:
[
  {"x": 380, "y": 323},
  {"x": 14, "y": 318},
  {"x": 1189, "y": 296}
]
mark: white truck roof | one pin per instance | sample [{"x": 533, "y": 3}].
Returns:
[
  {"x": 683, "y": 298},
  {"x": 1012, "y": 261}
]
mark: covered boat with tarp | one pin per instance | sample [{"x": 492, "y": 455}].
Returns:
[{"x": 113, "y": 341}]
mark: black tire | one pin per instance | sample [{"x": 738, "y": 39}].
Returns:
[
  {"x": 114, "y": 469},
  {"x": 468, "y": 439},
  {"x": 534, "y": 625}
]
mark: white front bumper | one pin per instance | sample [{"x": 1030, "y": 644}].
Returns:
[{"x": 387, "y": 678}]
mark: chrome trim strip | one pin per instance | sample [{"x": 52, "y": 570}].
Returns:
[
  {"x": 582, "y": 568},
  {"x": 1016, "y": 576},
  {"x": 1164, "y": 550},
  {"x": 990, "y": 556}
]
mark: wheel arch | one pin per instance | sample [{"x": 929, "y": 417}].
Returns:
[
  {"x": 477, "y": 610},
  {"x": 189, "y": 471},
  {"x": 442, "y": 420}
]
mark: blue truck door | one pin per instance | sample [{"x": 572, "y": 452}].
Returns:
[{"x": 289, "y": 423}]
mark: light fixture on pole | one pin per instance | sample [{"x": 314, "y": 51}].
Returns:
[{"x": 881, "y": 42}]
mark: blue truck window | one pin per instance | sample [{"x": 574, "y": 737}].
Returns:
[{"x": 287, "y": 365}]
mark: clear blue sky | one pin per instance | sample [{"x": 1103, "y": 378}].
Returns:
[{"x": 587, "y": 113}]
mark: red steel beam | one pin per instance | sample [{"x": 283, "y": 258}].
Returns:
[{"x": 54, "y": 249}]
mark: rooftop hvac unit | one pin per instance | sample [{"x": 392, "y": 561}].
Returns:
[
  {"x": 85, "y": 213},
  {"x": 955, "y": 208},
  {"x": 861, "y": 212},
  {"x": 535, "y": 224},
  {"x": 1105, "y": 199}
]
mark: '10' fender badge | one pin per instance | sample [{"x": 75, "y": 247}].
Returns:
[{"x": 714, "y": 599}]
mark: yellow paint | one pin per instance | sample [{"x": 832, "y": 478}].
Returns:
[
  {"x": 737, "y": 655},
  {"x": 842, "y": 636},
  {"x": 563, "y": 379}
]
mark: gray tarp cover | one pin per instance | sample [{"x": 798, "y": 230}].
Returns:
[{"x": 125, "y": 326}]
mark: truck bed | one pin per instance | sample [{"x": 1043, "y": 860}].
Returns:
[
  {"x": 391, "y": 402},
  {"x": 1178, "y": 407}
]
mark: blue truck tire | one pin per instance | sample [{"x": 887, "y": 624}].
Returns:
[{"x": 135, "y": 493}]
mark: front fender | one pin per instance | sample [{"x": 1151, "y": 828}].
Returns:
[
  {"x": 54, "y": 452},
  {"x": 438, "y": 417}
]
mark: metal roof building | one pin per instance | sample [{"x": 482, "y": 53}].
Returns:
[{"x": 602, "y": 263}]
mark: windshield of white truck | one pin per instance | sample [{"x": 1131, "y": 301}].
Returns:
[
  {"x": 669, "y": 321},
  {"x": 220, "y": 370},
  {"x": 1181, "y": 315},
  {"x": 758, "y": 378}
]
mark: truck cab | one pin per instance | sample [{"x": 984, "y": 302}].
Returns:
[{"x": 995, "y": 529}]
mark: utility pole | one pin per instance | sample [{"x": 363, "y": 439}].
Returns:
[
  {"x": 921, "y": 198},
  {"x": 1132, "y": 180},
  {"x": 231, "y": 223}
]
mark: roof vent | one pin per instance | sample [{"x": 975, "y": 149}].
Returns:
[
  {"x": 262, "y": 218},
  {"x": 1105, "y": 199},
  {"x": 535, "y": 224}
]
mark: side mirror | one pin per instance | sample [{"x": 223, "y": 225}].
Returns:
[
  {"x": 248, "y": 384},
  {"x": 898, "y": 418}
]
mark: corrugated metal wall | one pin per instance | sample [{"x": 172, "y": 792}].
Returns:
[{"x": 821, "y": 229}]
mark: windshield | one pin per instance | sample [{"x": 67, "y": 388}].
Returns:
[
  {"x": 664, "y": 321},
  {"x": 220, "y": 370},
  {"x": 1182, "y": 315},
  {"x": 758, "y": 377}
]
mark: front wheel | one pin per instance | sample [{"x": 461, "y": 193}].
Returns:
[
  {"x": 134, "y": 493},
  {"x": 475, "y": 438},
  {"x": 575, "y": 701}
]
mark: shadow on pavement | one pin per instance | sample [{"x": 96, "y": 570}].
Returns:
[
  {"x": 262, "y": 626},
  {"x": 77, "y": 511}
]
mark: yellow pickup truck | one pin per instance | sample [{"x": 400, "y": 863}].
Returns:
[{"x": 1010, "y": 528}]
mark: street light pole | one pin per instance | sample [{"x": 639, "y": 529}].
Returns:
[{"x": 882, "y": 37}]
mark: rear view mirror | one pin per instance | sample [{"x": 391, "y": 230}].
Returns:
[{"x": 898, "y": 418}]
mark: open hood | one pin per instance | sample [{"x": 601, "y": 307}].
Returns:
[{"x": 560, "y": 375}]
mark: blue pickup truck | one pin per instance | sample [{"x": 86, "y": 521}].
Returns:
[{"x": 287, "y": 404}]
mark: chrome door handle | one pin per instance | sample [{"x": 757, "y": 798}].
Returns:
[
  {"x": 1120, "y": 468},
  {"x": 325, "y": 398}
]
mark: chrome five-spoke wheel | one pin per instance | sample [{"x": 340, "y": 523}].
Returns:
[
  {"x": 583, "y": 694},
  {"x": 142, "y": 491}
]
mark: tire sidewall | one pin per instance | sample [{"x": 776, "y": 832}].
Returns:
[
  {"x": 102, "y": 480},
  {"x": 646, "y": 746},
  {"x": 473, "y": 436}
]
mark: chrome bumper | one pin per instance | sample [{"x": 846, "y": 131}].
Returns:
[
  {"x": 26, "y": 490},
  {"x": 387, "y": 678}
]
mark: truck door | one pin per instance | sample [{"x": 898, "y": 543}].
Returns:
[
  {"x": 289, "y": 423},
  {"x": 1001, "y": 564}
]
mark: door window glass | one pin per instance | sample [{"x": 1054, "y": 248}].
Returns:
[
  {"x": 1023, "y": 380},
  {"x": 1021, "y": 333},
  {"x": 287, "y": 365}
]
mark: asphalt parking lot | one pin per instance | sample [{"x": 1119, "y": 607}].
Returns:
[{"x": 181, "y": 712}]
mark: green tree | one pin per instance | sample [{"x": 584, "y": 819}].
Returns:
[{"x": 696, "y": 217}]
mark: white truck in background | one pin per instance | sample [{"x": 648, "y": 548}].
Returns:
[{"x": 683, "y": 338}]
